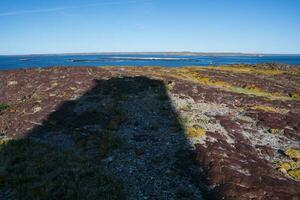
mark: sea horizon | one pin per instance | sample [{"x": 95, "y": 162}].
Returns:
[
  {"x": 165, "y": 59},
  {"x": 158, "y": 52}
]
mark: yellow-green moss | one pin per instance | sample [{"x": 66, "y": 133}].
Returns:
[
  {"x": 276, "y": 131},
  {"x": 4, "y": 141},
  {"x": 295, "y": 95},
  {"x": 295, "y": 173},
  {"x": 194, "y": 74},
  {"x": 293, "y": 153},
  {"x": 290, "y": 168},
  {"x": 270, "y": 109},
  {"x": 289, "y": 165},
  {"x": 248, "y": 70},
  {"x": 252, "y": 70},
  {"x": 186, "y": 107},
  {"x": 195, "y": 132}
]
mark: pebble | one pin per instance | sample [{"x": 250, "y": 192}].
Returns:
[
  {"x": 9, "y": 83},
  {"x": 36, "y": 109}
]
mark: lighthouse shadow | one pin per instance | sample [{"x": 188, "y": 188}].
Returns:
[{"x": 122, "y": 139}]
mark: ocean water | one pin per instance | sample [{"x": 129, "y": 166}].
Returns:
[{"x": 34, "y": 61}]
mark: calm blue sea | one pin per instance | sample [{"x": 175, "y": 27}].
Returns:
[{"x": 33, "y": 61}]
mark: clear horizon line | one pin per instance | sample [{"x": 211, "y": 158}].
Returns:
[{"x": 150, "y": 52}]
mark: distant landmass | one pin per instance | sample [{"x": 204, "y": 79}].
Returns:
[
  {"x": 181, "y": 53},
  {"x": 165, "y": 59}
]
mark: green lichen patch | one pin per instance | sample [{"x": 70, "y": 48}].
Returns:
[{"x": 3, "y": 107}]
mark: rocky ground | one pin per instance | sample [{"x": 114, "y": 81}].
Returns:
[{"x": 229, "y": 132}]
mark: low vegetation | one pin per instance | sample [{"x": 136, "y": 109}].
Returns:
[
  {"x": 132, "y": 124},
  {"x": 295, "y": 95},
  {"x": 276, "y": 131},
  {"x": 291, "y": 168},
  {"x": 248, "y": 70},
  {"x": 38, "y": 171},
  {"x": 293, "y": 153},
  {"x": 194, "y": 74},
  {"x": 195, "y": 132},
  {"x": 3, "y": 107},
  {"x": 270, "y": 109}
]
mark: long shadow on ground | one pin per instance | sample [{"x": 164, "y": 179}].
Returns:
[{"x": 122, "y": 139}]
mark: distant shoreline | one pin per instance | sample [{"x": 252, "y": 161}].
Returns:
[
  {"x": 166, "y": 59},
  {"x": 161, "y": 53}
]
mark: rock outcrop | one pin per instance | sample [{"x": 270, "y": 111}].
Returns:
[{"x": 229, "y": 132}]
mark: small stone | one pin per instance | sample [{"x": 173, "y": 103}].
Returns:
[
  {"x": 54, "y": 84},
  {"x": 281, "y": 152},
  {"x": 36, "y": 109},
  {"x": 12, "y": 83}
]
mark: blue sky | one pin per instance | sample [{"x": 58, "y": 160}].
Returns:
[{"x": 56, "y": 26}]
